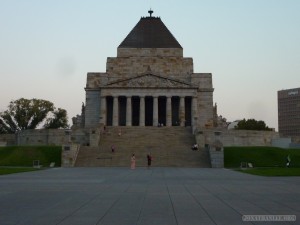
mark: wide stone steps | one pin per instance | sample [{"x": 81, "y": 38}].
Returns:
[{"x": 169, "y": 146}]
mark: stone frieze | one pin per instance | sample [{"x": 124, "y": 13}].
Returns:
[{"x": 149, "y": 80}]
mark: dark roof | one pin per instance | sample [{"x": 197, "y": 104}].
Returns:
[{"x": 150, "y": 32}]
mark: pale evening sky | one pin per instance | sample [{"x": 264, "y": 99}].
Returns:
[{"x": 252, "y": 48}]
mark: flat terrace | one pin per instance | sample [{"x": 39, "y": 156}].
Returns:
[{"x": 160, "y": 196}]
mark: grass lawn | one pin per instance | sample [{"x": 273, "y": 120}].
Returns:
[
  {"x": 260, "y": 156},
  {"x": 267, "y": 161},
  {"x": 272, "y": 171},
  {"x": 23, "y": 156},
  {"x": 10, "y": 170}
]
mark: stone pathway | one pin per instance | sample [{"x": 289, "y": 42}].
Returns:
[{"x": 160, "y": 196}]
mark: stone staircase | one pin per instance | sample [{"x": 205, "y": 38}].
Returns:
[{"x": 169, "y": 146}]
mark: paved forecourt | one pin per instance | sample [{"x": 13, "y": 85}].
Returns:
[{"x": 166, "y": 196}]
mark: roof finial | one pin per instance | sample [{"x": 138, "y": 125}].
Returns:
[{"x": 150, "y": 12}]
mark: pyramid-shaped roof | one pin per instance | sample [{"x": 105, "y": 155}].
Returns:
[{"x": 150, "y": 32}]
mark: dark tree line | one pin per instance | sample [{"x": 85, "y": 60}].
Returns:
[{"x": 252, "y": 124}]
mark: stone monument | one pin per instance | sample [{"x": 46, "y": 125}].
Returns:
[{"x": 149, "y": 83}]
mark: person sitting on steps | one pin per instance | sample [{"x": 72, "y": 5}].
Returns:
[{"x": 195, "y": 147}]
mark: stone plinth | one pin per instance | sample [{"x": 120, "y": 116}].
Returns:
[
  {"x": 150, "y": 52},
  {"x": 174, "y": 67}
]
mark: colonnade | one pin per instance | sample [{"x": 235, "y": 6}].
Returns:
[{"x": 167, "y": 108}]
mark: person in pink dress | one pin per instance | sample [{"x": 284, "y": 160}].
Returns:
[{"x": 133, "y": 162}]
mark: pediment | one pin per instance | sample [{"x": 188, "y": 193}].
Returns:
[{"x": 149, "y": 80}]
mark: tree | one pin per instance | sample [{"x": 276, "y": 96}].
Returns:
[
  {"x": 59, "y": 120},
  {"x": 251, "y": 124},
  {"x": 23, "y": 114}
]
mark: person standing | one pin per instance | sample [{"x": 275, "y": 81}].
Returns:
[
  {"x": 288, "y": 161},
  {"x": 149, "y": 160},
  {"x": 133, "y": 162},
  {"x": 113, "y": 148}
]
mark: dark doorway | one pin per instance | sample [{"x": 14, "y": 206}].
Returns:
[
  {"x": 148, "y": 111},
  {"x": 162, "y": 114},
  {"x": 109, "y": 110},
  {"x": 188, "y": 111},
  {"x": 122, "y": 111},
  {"x": 175, "y": 111},
  {"x": 135, "y": 101}
]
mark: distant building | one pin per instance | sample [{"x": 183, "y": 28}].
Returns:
[{"x": 289, "y": 112}]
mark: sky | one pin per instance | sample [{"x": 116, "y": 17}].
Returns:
[{"x": 251, "y": 47}]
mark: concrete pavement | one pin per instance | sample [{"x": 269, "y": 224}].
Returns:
[{"x": 160, "y": 196}]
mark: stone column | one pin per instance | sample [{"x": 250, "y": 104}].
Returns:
[
  {"x": 169, "y": 111},
  {"x": 103, "y": 110},
  {"x": 142, "y": 111},
  {"x": 155, "y": 110},
  {"x": 182, "y": 112},
  {"x": 116, "y": 111},
  {"x": 128, "y": 111},
  {"x": 194, "y": 111}
]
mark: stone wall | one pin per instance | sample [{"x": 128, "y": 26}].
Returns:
[
  {"x": 249, "y": 138},
  {"x": 205, "y": 98},
  {"x": 216, "y": 158},
  {"x": 95, "y": 137},
  {"x": 69, "y": 154},
  {"x": 173, "y": 67},
  {"x": 216, "y": 151},
  {"x": 203, "y": 80},
  {"x": 205, "y": 109},
  {"x": 7, "y": 139},
  {"x": 80, "y": 136},
  {"x": 85, "y": 136},
  {"x": 44, "y": 137},
  {"x": 150, "y": 52},
  {"x": 95, "y": 80},
  {"x": 236, "y": 137},
  {"x": 216, "y": 139},
  {"x": 92, "y": 108}
]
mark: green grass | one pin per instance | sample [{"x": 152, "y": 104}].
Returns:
[
  {"x": 23, "y": 156},
  {"x": 267, "y": 161},
  {"x": 260, "y": 156},
  {"x": 272, "y": 171},
  {"x": 11, "y": 170}
]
